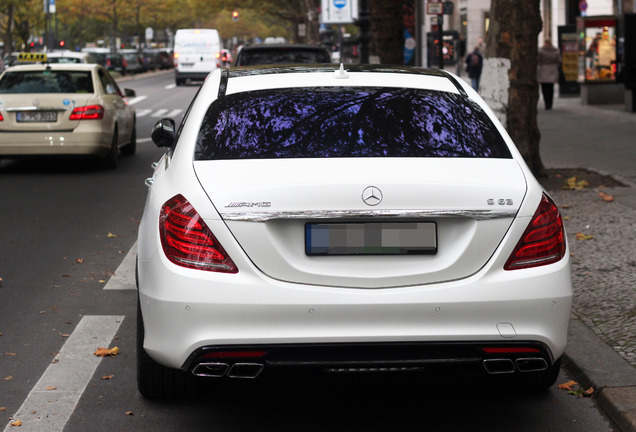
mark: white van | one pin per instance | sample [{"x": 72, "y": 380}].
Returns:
[{"x": 196, "y": 53}]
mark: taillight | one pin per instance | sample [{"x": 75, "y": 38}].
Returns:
[
  {"x": 1, "y": 118},
  {"x": 187, "y": 241},
  {"x": 543, "y": 242},
  {"x": 90, "y": 112}
]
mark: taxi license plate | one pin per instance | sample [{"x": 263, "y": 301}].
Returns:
[
  {"x": 36, "y": 116},
  {"x": 371, "y": 238}
]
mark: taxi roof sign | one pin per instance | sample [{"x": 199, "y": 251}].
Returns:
[{"x": 32, "y": 57}]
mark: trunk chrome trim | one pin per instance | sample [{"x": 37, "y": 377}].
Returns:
[
  {"x": 33, "y": 108},
  {"x": 338, "y": 214}
]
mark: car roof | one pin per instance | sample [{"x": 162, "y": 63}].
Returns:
[
  {"x": 54, "y": 66},
  {"x": 247, "y": 78}
]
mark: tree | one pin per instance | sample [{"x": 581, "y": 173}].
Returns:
[
  {"x": 387, "y": 30},
  {"x": 514, "y": 29}
]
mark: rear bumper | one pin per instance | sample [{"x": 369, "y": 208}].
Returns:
[
  {"x": 94, "y": 143},
  {"x": 197, "y": 76},
  {"x": 247, "y": 361}
]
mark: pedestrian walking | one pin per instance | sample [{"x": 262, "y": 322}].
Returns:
[
  {"x": 548, "y": 64},
  {"x": 474, "y": 64}
]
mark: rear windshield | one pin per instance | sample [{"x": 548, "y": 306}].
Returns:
[
  {"x": 46, "y": 81},
  {"x": 347, "y": 122},
  {"x": 250, "y": 57}
]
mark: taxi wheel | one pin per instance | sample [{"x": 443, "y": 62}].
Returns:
[
  {"x": 110, "y": 160},
  {"x": 131, "y": 148}
]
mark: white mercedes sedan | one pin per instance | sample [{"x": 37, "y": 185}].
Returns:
[
  {"x": 346, "y": 219},
  {"x": 65, "y": 109}
]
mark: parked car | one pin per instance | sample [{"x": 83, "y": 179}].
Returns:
[
  {"x": 250, "y": 55},
  {"x": 112, "y": 61},
  {"x": 68, "y": 56},
  {"x": 132, "y": 61},
  {"x": 375, "y": 218},
  {"x": 65, "y": 109}
]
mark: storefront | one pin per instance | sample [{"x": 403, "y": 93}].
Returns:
[{"x": 598, "y": 59}]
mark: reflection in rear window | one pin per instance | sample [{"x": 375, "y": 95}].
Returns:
[
  {"x": 47, "y": 81},
  {"x": 347, "y": 122}
]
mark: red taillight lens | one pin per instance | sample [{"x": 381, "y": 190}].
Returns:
[
  {"x": 187, "y": 241},
  {"x": 543, "y": 242},
  {"x": 1, "y": 118},
  {"x": 90, "y": 112}
]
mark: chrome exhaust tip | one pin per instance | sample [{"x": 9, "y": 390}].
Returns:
[
  {"x": 212, "y": 370},
  {"x": 533, "y": 364},
  {"x": 245, "y": 370},
  {"x": 499, "y": 366}
]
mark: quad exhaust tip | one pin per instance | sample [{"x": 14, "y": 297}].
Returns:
[
  {"x": 237, "y": 370},
  {"x": 507, "y": 366}
]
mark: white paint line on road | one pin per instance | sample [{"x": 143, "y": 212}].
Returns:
[
  {"x": 124, "y": 277},
  {"x": 170, "y": 86},
  {"x": 136, "y": 99},
  {"x": 142, "y": 112},
  {"x": 49, "y": 410}
]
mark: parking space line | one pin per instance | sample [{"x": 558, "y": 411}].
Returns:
[
  {"x": 52, "y": 400},
  {"x": 124, "y": 277}
]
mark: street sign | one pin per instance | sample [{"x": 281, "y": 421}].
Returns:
[
  {"x": 434, "y": 8},
  {"x": 338, "y": 11}
]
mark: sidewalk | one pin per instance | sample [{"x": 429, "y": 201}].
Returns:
[{"x": 602, "y": 344}]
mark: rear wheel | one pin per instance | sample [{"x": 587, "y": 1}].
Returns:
[
  {"x": 155, "y": 380},
  {"x": 110, "y": 160},
  {"x": 131, "y": 148}
]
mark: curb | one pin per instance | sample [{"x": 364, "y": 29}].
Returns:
[{"x": 593, "y": 363}]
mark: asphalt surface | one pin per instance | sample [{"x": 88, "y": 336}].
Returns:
[{"x": 601, "y": 232}]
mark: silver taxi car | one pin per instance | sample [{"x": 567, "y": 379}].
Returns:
[{"x": 65, "y": 109}]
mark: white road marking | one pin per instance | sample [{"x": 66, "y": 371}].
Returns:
[
  {"x": 136, "y": 99},
  {"x": 124, "y": 277},
  {"x": 170, "y": 86},
  {"x": 72, "y": 370},
  {"x": 174, "y": 113},
  {"x": 142, "y": 112}
]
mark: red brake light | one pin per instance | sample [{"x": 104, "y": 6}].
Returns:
[
  {"x": 1, "y": 118},
  {"x": 187, "y": 241},
  {"x": 543, "y": 242},
  {"x": 90, "y": 112}
]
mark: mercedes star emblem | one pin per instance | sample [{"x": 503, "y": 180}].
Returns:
[{"x": 372, "y": 196}]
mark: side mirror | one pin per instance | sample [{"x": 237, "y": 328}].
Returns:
[
  {"x": 129, "y": 93},
  {"x": 163, "y": 133}
]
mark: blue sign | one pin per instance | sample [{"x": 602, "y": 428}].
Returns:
[{"x": 340, "y": 3}]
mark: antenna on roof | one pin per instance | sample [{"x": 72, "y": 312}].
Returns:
[{"x": 341, "y": 73}]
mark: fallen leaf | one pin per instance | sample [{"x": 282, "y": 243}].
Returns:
[
  {"x": 111, "y": 235},
  {"x": 574, "y": 184},
  {"x": 581, "y": 236},
  {"x": 0, "y": 281},
  {"x": 50, "y": 387},
  {"x": 566, "y": 218},
  {"x": 79, "y": 260},
  {"x": 3, "y": 408},
  {"x": 107, "y": 377},
  {"x": 103, "y": 352},
  {"x": 9, "y": 378},
  {"x": 606, "y": 197},
  {"x": 130, "y": 413},
  {"x": 568, "y": 385},
  {"x": 16, "y": 423},
  {"x": 10, "y": 354}
]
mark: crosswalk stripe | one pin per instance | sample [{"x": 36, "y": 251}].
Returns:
[
  {"x": 160, "y": 113},
  {"x": 53, "y": 399}
]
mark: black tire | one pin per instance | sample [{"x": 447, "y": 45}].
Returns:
[
  {"x": 131, "y": 148},
  {"x": 110, "y": 160},
  {"x": 155, "y": 380},
  {"x": 179, "y": 82}
]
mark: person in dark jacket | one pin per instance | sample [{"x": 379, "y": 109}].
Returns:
[
  {"x": 474, "y": 64},
  {"x": 548, "y": 64}
]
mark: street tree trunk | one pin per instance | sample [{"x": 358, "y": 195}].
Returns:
[
  {"x": 513, "y": 33},
  {"x": 387, "y": 30}
]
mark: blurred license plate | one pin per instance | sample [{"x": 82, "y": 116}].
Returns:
[
  {"x": 36, "y": 116},
  {"x": 371, "y": 238}
]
